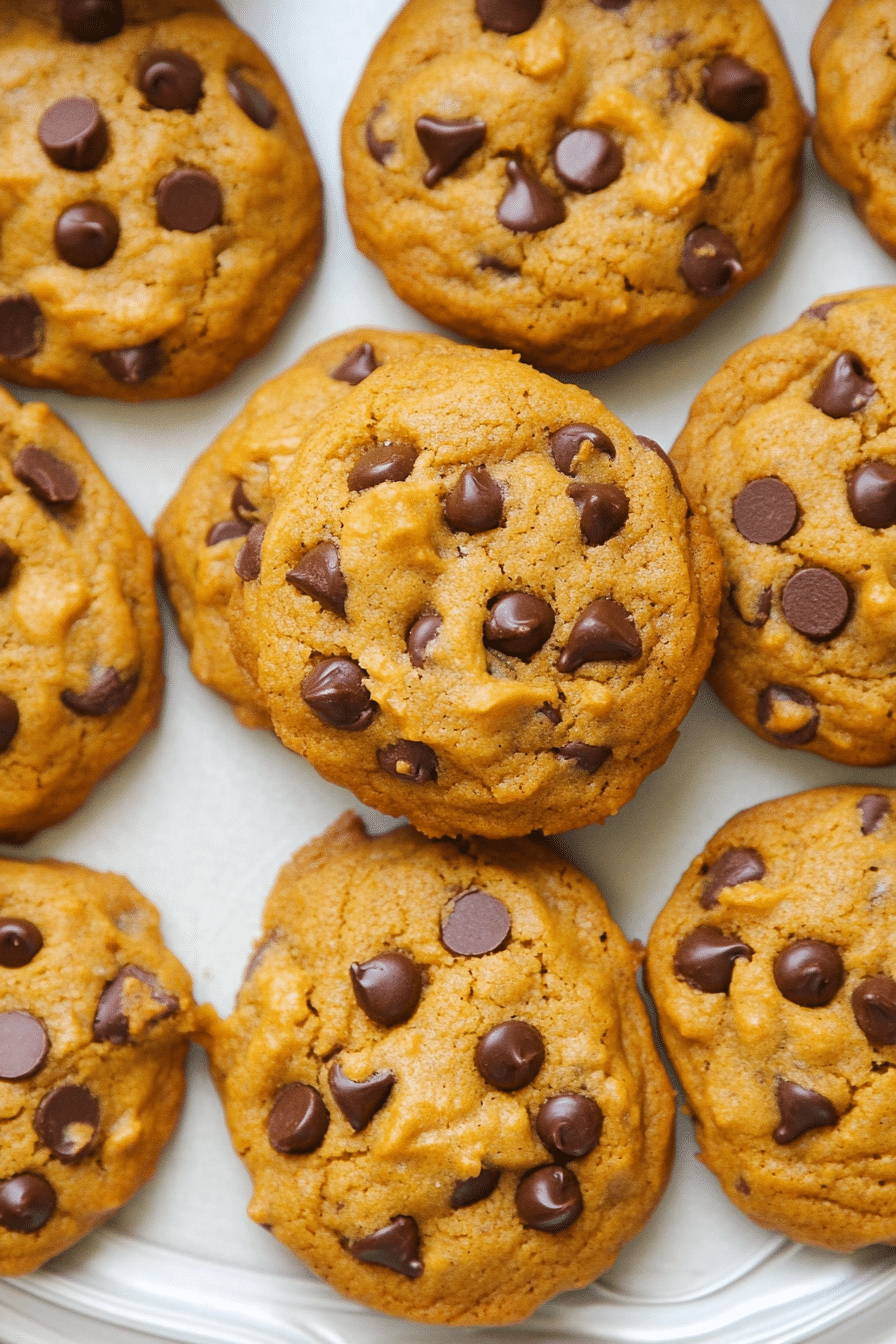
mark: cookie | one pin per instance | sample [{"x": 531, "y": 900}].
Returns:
[
  {"x": 569, "y": 178},
  {"x": 159, "y": 204},
  {"x": 232, "y": 485},
  {"x": 80, "y": 675},
  {"x": 790, "y": 454},
  {"x": 95, "y": 1014},
  {"x": 481, "y": 602},
  {"x": 441, "y": 1077},
  {"x": 772, "y": 969}
]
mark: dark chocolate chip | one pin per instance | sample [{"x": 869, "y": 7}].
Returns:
[
  {"x": 475, "y": 1188},
  {"x": 249, "y": 99},
  {"x": 550, "y": 712},
  {"x": 661, "y": 453},
  {"x": 510, "y": 1055},
  {"x": 447, "y": 143},
  {"x": 734, "y": 90},
  {"x": 73, "y": 134},
  {"x": 414, "y": 762},
  {"x": 604, "y": 633},
  {"x": 133, "y": 365},
  {"x": 602, "y": 509},
  {"x": 24, "y": 1046},
  {"x": 395, "y": 1246},
  {"x": 871, "y": 492},
  {"x": 586, "y": 756},
  {"x": 729, "y": 870},
  {"x": 763, "y": 608},
  {"x": 387, "y": 987},
  {"x": 821, "y": 310},
  {"x": 478, "y": 925},
  {"x": 9, "y": 720},
  {"x": 476, "y": 503},
  {"x": 518, "y": 624},
  {"x": 801, "y": 1110},
  {"x": 357, "y": 365},
  {"x": 527, "y": 206},
  {"x": 508, "y": 16},
  {"x": 587, "y": 160},
  {"x": 549, "y": 1199},
  {"x": 106, "y": 695},
  {"x": 86, "y": 235},
  {"x": 844, "y": 389},
  {"x": 765, "y": 511},
  {"x": 773, "y": 695},
  {"x": 299, "y": 1120},
  {"x": 385, "y": 462},
  {"x": 20, "y": 942},
  {"x": 319, "y": 575},
  {"x": 873, "y": 807},
  {"x": 334, "y": 689},
  {"x": 189, "y": 200},
  {"x": 816, "y": 602},
  {"x": 248, "y": 559},
  {"x": 51, "y": 480},
  {"x": 26, "y": 1203},
  {"x": 874, "y": 1008},
  {"x": 705, "y": 959},
  {"x": 21, "y": 327},
  {"x": 359, "y": 1102},
  {"x": 377, "y": 148},
  {"x": 111, "y": 1020},
  {"x": 91, "y": 20},
  {"x": 567, "y": 442},
  {"x": 809, "y": 972},
  {"x": 710, "y": 261},
  {"x": 421, "y": 635},
  {"x": 226, "y": 531},
  {"x": 496, "y": 264},
  {"x": 67, "y": 1121},
  {"x": 569, "y": 1125},
  {"x": 241, "y": 505},
  {"x": 170, "y": 79}
]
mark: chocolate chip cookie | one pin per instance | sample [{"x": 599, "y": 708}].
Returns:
[
  {"x": 570, "y": 178},
  {"x": 95, "y": 1014},
  {"x": 159, "y": 204},
  {"x": 772, "y": 967},
  {"x": 481, "y": 602},
  {"x": 441, "y": 1076}
]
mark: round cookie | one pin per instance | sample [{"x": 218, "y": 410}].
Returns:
[
  {"x": 95, "y": 1015},
  {"x": 441, "y": 1077},
  {"x": 568, "y": 178},
  {"x": 772, "y": 969},
  {"x": 790, "y": 454},
  {"x": 481, "y": 602},
  {"x": 80, "y": 676},
  {"x": 159, "y": 204},
  {"x": 232, "y": 486}
]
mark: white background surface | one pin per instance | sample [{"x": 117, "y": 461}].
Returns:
[{"x": 204, "y": 813}]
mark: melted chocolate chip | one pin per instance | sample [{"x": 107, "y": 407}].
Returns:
[
  {"x": 478, "y": 925},
  {"x": 111, "y": 1022},
  {"x": 874, "y": 1008},
  {"x": 385, "y": 462},
  {"x": 508, "y": 16},
  {"x": 26, "y": 1203},
  {"x": 527, "y": 206},
  {"x": 91, "y": 20},
  {"x": 816, "y": 602},
  {"x": 569, "y": 1125},
  {"x": 67, "y": 1121},
  {"x": 705, "y": 959},
  {"x": 586, "y": 756},
  {"x": 475, "y": 1188},
  {"x": 249, "y": 99},
  {"x": 319, "y": 575},
  {"x": 357, "y": 365},
  {"x": 73, "y": 134},
  {"x": 9, "y": 720},
  {"x": 765, "y": 511},
  {"x": 587, "y": 160},
  {"x": 447, "y": 143},
  {"x": 395, "y": 1246},
  {"x": 421, "y": 635},
  {"x": 602, "y": 509},
  {"x": 809, "y": 972},
  {"x": 871, "y": 492},
  {"x": 664, "y": 457},
  {"x": 844, "y": 389},
  {"x": 387, "y": 987},
  {"x": 734, "y": 90},
  {"x": 21, "y": 327},
  {"x": 566, "y": 443},
  {"x": 241, "y": 505},
  {"x": 730, "y": 870},
  {"x": 801, "y": 1110},
  {"x": 414, "y": 762},
  {"x": 189, "y": 201},
  {"x": 86, "y": 235},
  {"x": 377, "y": 148},
  {"x": 873, "y": 807},
  {"x": 510, "y": 1055},
  {"x": 170, "y": 79},
  {"x": 518, "y": 624},
  {"x": 226, "y": 531},
  {"x": 20, "y": 942},
  {"x": 549, "y": 1199},
  {"x": 551, "y": 713},
  {"x": 248, "y": 561},
  {"x": 476, "y": 503},
  {"x": 773, "y": 695},
  {"x": 604, "y": 633},
  {"x": 299, "y": 1120},
  {"x": 710, "y": 261},
  {"x": 134, "y": 365},
  {"x": 52, "y": 481},
  {"x": 108, "y": 693},
  {"x": 359, "y": 1102},
  {"x": 24, "y": 1046},
  {"x": 334, "y": 689}
]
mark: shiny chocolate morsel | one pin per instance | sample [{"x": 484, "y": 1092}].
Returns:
[
  {"x": 586, "y": 755},
  {"x": 46, "y": 476},
  {"x": 729, "y": 870},
  {"x": 765, "y": 708},
  {"x": 710, "y": 261},
  {"x": 319, "y": 576},
  {"x": 604, "y": 633},
  {"x": 91, "y": 20},
  {"x": 334, "y": 689},
  {"x": 20, "y": 942},
  {"x": 801, "y": 1110},
  {"x": 248, "y": 560},
  {"x": 809, "y": 972},
  {"x": 549, "y": 1199},
  {"x": 705, "y": 959},
  {"x": 447, "y": 143},
  {"x": 27, "y": 1202},
  {"x": 734, "y": 90},
  {"x": 510, "y": 1055},
  {"x": 385, "y": 462},
  {"x": 73, "y": 134},
  {"x": 845, "y": 387},
  {"x": 359, "y": 1102},
  {"x": 414, "y": 762},
  {"x": 226, "y": 530},
  {"x": 395, "y": 1246},
  {"x": 518, "y": 624},
  {"x": 189, "y": 200},
  {"x": 388, "y": 987},
  {"x": 421, "y": 634},
  {"x": 250, "y": 99},
  {"x": 170, "y": 80},
  {"x": 475, "y": 1188},
  {"x": 527, "y": 206},
  {"x": 87, "y": 235},
  {"x": 476, "y": 503},
  {"x": 874, "y": 1008},
  {"x": 67, "y": 1121},
  {"x": 871, "y": 492},
  {"x": 111, "y": 1022},
  {"x": 568, "y": 441},
  {"x": 21, "y": 326},
  {"x": 135, "y": 365},
  {"x": 569, "y": 1125},
  {"x": 508, "y": 16},
  {"x": 587, "y": 160},
  {"x": 299, "y": 1120},
  {"x": 357, "y": 365},
  {"x": 477, "y": 925},
  {"x": 602, "y": 509},
  {"x": 106, "y": 694}
]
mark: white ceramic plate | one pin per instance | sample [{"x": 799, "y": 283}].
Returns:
[{"x": 204, "y": 813}]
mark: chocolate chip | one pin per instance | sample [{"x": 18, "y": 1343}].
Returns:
[
  {"x": 248, "y": 560},
  {"x": 604, "y": 633},
  {"x": 447, "y": 143},
  {"x": 549, "y": 1199},
  {"x": 527, "y": 206},
  {"x": 765, "y": 511},
  {"x": 496, "y": 264},
  {"x": 106, "y": 695},
  {"x": 170, "y": 79},
  {"x": 91, "y": 20},
  {"x": 24, "y": 1046},
  {"x": 249, "y": 99},
  {"x": 518, "y": 624},
  {"x": 710, "y": 261},
  {"x": 705, "y": 959},
  {"x": 357, "y": 365},
  {"x": 478, "y": 925},
  {"x": 801, "y": 1109},
  {"x": 809, "y": 972},
  {"x": 67, "y": 1121},
  {"x": 111, "y": 1022},
  {"x": 395, "y": 1246},
  {"x": 133, "y": 365},
  {"x": 414, "y": 762},
  {"x": 611, "y": 4},
  {"x": 359, "y": 1102},
  {"x": 387, "y": 987},
  {"x": 821, "y": 310},
  {"x": 733, "y": 89},
  {"x": 51, "y": 480},
  {"x": 664, "y": 457},
  {"x": 226, "y": 531},
  {"x": 844, "y": 389},
  {"x": 566, "y": 443},
  {"x": 319, "y": 575},
  {"x": 730, "y": 870},
  {"x": 21, "y": 327},
  {"x": 20, "y": 942},
  {"x": 510, "y": 1055},
  {"x": 763, "y": 608},
  {"x": 476, "y": 503},
  {"x": 334, "y": 689},
  {"x": 774, "y": 695},
  {"x": 551, "y": 713},
  {"x": 475, "y": 1188},
  {"x": 873, "y": 807},
  {"x": 871, "y": 492},
  {"x": 385, "y": 462},
  {"x": 602, "y": 509},
  {"x": 377, "y": 148},
  {"x": 189, "y": 200},
  {"x": 569, "y": 1125},
  {"x": 421, "y": 635},
  {"x": 298, "y": 1121},
  {"x": 508, "y": 16},
  {"x": 587, "y": 160},
  {"x": 816, "y": 602},
  {"x": 586, "y": 756},
  {"x": 9, "y": 720},
  {"x": 26, "y": 1203},
  {"x": 86, "y": 235},
  {"x": 241, "y": 505},
  {"x": 874, "y": 1008},
  {"x": 73, "y": 134}
]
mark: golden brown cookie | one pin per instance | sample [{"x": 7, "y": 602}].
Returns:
[
  {"x": 570, "y": 178},
  {"x": 772, "y": 968},
  {"x": 441, "y": 1076},
  {"x": 95, "y": 1015},
  {"x": 159, "y": 204}
]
